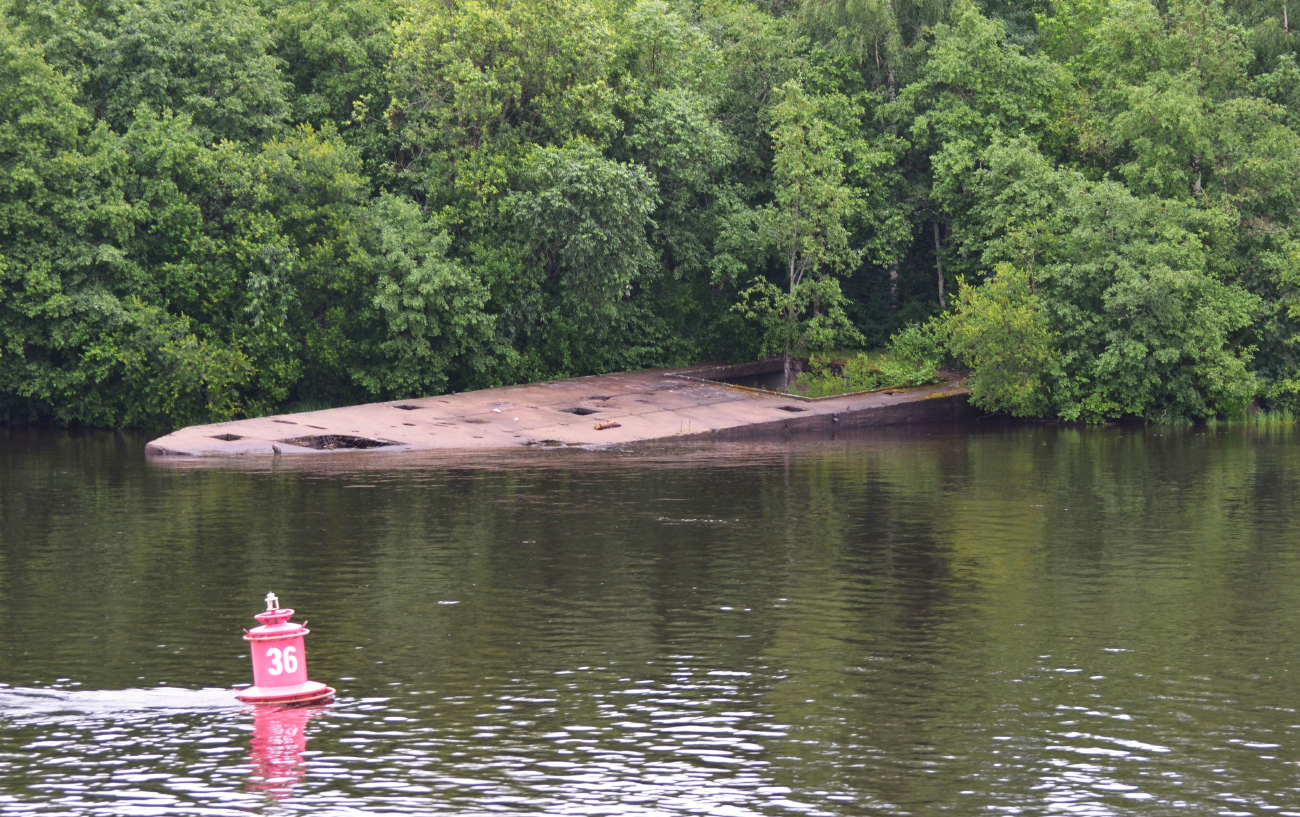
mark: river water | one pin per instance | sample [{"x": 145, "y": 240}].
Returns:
[{"x": 989, "y": 620}]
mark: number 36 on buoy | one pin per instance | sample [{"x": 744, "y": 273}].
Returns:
[{"x": 280, "y": 661}]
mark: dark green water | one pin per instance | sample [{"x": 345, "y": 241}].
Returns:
[{"x": 1028, "y": 621}]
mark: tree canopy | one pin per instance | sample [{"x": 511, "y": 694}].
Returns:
[{"x": 223, "y": 208}]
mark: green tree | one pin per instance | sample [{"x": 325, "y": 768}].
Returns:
[
  {"x": 476, "y": 85},
  {"x": 806, "y": 227},
  {"x": 435, "y": 326},
  {"x": 974, "y": 87},
  {"x": 210, "y": 60},
  {"x": 62, "y": 222},
  {"x": 999, "y": 331},
  {"x": 1127, "y": 284},
  {"x": 583, "y": 221}
]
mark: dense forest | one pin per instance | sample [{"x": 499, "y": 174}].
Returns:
[{"x": 219, "y": 208}]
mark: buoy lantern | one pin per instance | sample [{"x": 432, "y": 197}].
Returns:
[{"x": 280, "y": 661}]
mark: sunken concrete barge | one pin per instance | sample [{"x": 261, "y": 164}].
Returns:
[{"x": 707, "y": 402}]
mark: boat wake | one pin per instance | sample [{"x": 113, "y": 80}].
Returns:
[{"x": 27, "y": 702}]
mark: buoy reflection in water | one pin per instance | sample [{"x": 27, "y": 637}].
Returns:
[{"x": 276, "y": 748}]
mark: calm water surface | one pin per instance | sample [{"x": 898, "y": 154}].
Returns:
[{"x": 1029, "y": 621}]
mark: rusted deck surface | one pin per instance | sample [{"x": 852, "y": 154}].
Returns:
[{"x": 611, "y": 409}]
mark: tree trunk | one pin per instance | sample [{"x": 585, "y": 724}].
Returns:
[
  {"x": 791, "y": 316},
  {"x": 938, "y": 263},
  {"x": 893, "y": 285}
]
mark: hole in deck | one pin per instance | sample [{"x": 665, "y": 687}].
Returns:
[
  {"x": 601, "y": 399},
  {"x": 791, "y": 408},
  {"x": 227, "y": 437},
  {"x": 581, "y": 411},
  {"x": 407, "y": 407},
  {"x": 334, "y": 442}
]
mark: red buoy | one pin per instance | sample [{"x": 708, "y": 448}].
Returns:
[{"x": 280, "y": 661}]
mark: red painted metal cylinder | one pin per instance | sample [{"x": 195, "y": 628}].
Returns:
[{"x": 280, "y": 660}]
